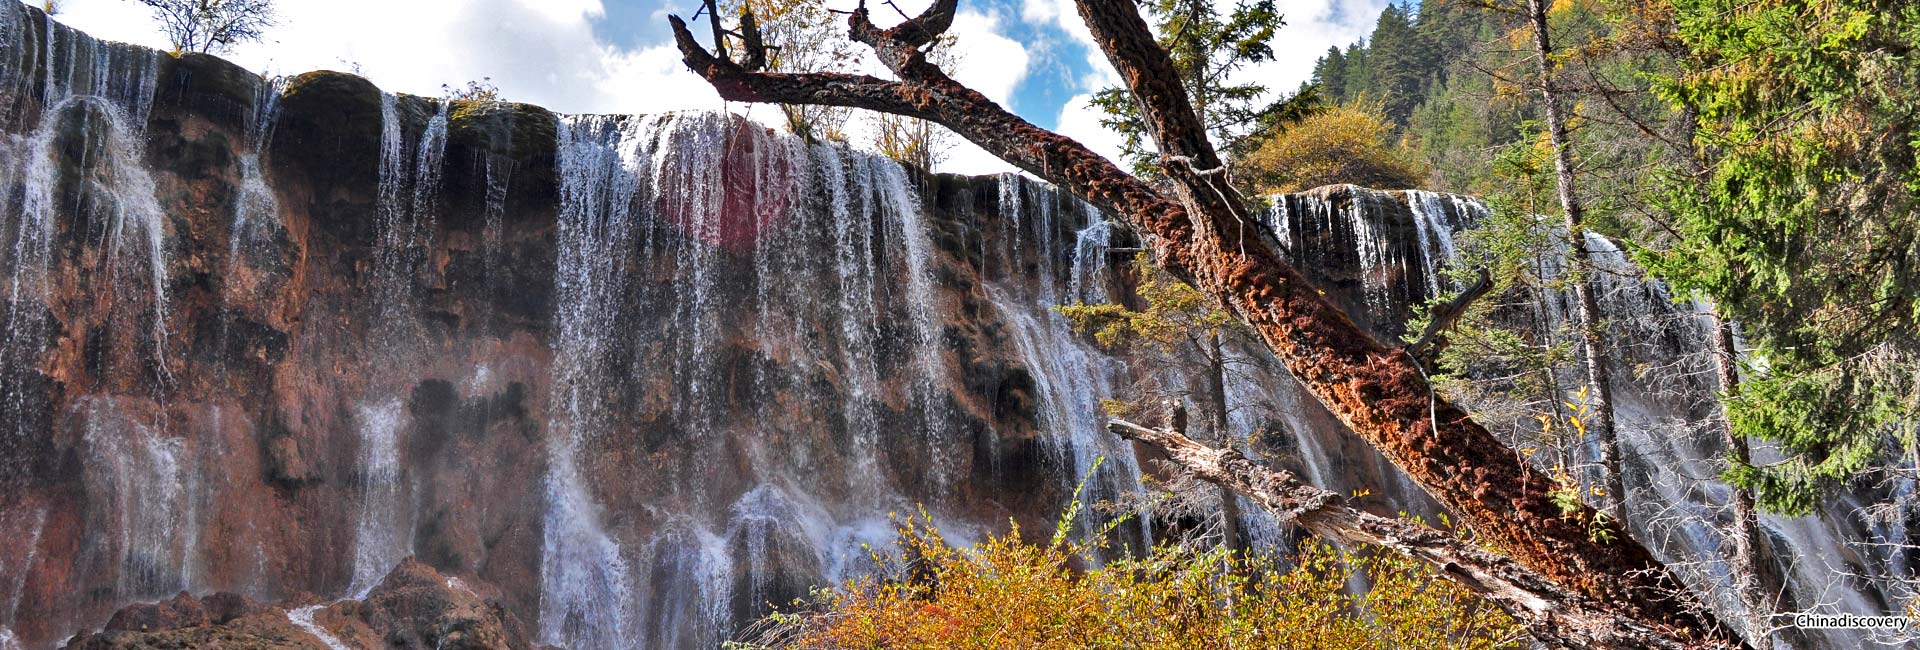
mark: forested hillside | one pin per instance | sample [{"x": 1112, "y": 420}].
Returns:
[{"x": 1759, "y": 155}]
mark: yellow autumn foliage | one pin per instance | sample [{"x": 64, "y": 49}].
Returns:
[
  {"x": 1347, "y": 144},
  {"x": 1006, "y": 592}
]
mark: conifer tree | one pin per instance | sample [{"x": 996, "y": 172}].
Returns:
[
  {"x": 1208, "y": 48},
  {"x": 1803, "y": 225}
]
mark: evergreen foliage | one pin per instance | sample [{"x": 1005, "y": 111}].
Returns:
[
  {"x": 1803, "y": 223},
  {"x": 1759, "y": 154},
  {"x": 1207, "y": 47}
]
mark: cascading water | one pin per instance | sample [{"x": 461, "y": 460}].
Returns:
[
  {"x": 1072, "y": 377},
  {"x": 1434, "y": 229},
  {"x": 382, "y": 533},
  {"x": 749, "y": 350},
  {"x": 408, "y": 202},
  {"x": 256, "y": 206},
  {"x": 72, "y": 168},
  {"x": 117, "y": 205},
  {"x": 302, "y": 617},
  {"x": 255, "y": 232},
  {"x": 1664, "y": 415},
  {"x": 494, "y": 215},
  {"x": 910, "y": 230},
  {"x": 659, "y": 187},
  {"x": 586, "y": 586},
  {"x": 144, "y": 481},
  {"x": 25, "y": 527},
  {"x": 853, "y": 266}
]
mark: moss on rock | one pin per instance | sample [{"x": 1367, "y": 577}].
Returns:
[{"x": 329, "y": 129}]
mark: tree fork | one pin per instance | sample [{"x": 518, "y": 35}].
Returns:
[{"x": 1204, "y": 237}]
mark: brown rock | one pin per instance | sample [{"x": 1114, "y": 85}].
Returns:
[
  {"x": 181, "y": 612},
  {"x": 266, "y": 629},
  {"x": 226, "y": 607},
  {"x": 416, "y": 606},
  {"x": 285, "y": 463}
]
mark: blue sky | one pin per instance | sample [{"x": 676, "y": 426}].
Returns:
[{"x": 615, "y": 56}]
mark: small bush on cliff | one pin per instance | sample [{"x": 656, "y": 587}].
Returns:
[
  {"x": 1007, "y": 592},
  {"x": 1349, "y": 144}
]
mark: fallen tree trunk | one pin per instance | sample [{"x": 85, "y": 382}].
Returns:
[
  {"x": 1203, "y": 235},
  {"x": 1554, "y": 615}
]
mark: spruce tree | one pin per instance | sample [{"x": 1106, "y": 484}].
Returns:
[{"x": 1803, "y": 225}]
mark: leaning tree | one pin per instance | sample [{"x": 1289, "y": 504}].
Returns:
[{"x": 1571, "y": 587}]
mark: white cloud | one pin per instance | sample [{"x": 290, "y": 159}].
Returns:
[
  {"x": 1062, "y": 14},
  {"x": 565, "y": 10},
  {"x": 1065, "y": 17},
  {"x": 538, "y": 51},
  {"x": 545, "y": 52},
  {"x": 1312, "y": 27},
  {"x": 1080, "y": 120},
  {"x": 968, "y": 158},
  {"x": 989, "y": 62}
]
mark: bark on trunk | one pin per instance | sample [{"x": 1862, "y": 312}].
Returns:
[
  {"x": 1217, "y": 416},
  {"x": 1756, "y": 578},
  {"x": 1557, "y": 617},
  {"x": 1205, "y": 237},
  {"x": 1580, "y": 264}
]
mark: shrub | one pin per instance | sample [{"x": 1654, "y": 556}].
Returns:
[
  {"x": 1008, "y": 593},
  {"x": 1347, "y": 144}
]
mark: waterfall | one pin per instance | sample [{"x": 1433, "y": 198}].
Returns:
[
  {"x": 302, "y": 617},
  {"x": 494, "y": 214},
  {"x": 28, "y": 550},
  {"x": 1370, "y": 249},
  {"x": 750, "y": 350},
  {"x": 687, "y": 574},
  {"x": 408, "y": 196},
  {"x": 586, "y": 589},
  {"x": 909, "y": 230},
  {"x": 398, "y": 220},
  {"x": 853, "y": 248},
  {"x": 1435, "y": 231},
  {"x": 1669, "y": 437},
  {"x": 144, "y": 481},
  {"x": 427, "y": 170},
  {"x": 256, "y": 212},
  {"x": 382, "y": 534},
  {"x": 255, "y": 205},
  {"x": 115, "y": 203},
  {"x": 1316, "y": 230},
  {"x": 1072, "y": 376},
  {"x": 747, "y": 223}
]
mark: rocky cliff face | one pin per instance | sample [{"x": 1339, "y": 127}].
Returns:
[{"x": 634, "y": 377}]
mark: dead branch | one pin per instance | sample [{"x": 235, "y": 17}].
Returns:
[{"x": 1557, "y": 617}]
